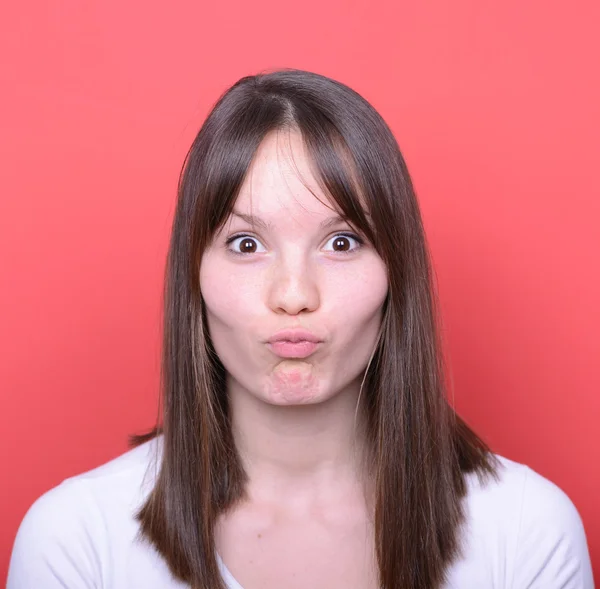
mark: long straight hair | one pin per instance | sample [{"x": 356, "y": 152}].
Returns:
[{"x": 422, "y": 450}]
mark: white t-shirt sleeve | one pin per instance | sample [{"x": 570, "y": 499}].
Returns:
[
  {"x": 56, "y": 543},
  {"x": 552, "y": 550}
]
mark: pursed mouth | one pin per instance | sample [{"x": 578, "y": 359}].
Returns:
[{"x": 293, "y": 349}]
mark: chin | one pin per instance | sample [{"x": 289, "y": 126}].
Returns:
[
  {"x": 293, "y": 383},
  {"x": 293, "y": 396}
]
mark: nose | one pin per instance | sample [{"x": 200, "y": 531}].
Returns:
[{"x": 293, "y": 287}]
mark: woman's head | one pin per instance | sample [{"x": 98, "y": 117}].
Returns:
[
  {"x": 283, "y": 261},
  {"x": 292, "y": 150},
  {"x": 279, "y": 155}
]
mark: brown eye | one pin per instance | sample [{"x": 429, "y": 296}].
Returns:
[
  {"x": 342, "y": 243},
  {"x": 246, "y": 244}
]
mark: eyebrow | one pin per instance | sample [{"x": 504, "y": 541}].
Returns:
[{"x": 252, "y": 220}]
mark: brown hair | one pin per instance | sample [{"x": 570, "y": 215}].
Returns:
[{"x": 422, "y": 449}]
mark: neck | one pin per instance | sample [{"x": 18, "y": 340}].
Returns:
[{"x": 300, "y": 449}]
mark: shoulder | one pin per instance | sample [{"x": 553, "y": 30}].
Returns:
[
  {"x": 539, "y": 526},
  {"x": 520, "y": 491},
  {"x": 65, "y": 536}
]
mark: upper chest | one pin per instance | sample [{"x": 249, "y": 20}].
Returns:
[{"x": 318, "y": 548}]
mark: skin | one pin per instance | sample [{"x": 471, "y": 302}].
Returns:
[{"x": 305, "y": 522}]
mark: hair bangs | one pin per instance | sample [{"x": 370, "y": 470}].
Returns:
[{"x": 220, "y": 158}]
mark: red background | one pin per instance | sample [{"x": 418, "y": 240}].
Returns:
[{"x": 496, "y": 106}]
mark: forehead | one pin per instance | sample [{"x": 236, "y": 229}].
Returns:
[{"x": 280, "y": 180}]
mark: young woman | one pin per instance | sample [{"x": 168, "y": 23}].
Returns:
[{"x": 306, "y": 441}]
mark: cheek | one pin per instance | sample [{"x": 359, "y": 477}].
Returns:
[
  {"x": 355, "y": 313},
  {"x": 229, "y": 296},
  {"x": 359, "y": 296},
  {"x": 230, "y": 303}
]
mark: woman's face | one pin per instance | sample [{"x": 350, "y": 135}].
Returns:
[{"x": 290, "y": 273}]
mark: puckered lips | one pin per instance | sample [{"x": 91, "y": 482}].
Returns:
[{"x": 293, "y": 343}]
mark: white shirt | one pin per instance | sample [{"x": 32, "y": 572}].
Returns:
[{"x": 522, "y": 533}]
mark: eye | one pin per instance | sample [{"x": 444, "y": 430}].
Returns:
[
  {"x": 341, "y": 241},
  {"x": 247, "y": 244}
]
